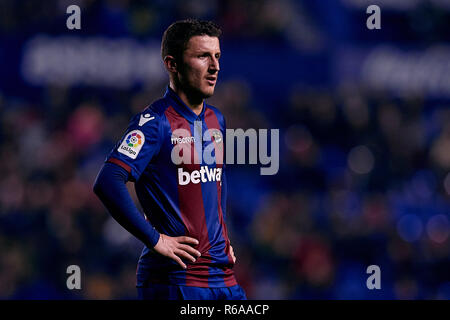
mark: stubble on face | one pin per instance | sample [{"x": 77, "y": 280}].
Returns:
[{"x": 200, "y": 67}]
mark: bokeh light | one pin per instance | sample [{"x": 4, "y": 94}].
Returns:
[
  {"x": 438, "y": 228},
  {"x": 410, "y": 228},
  {"x": 361, "y": 160}
]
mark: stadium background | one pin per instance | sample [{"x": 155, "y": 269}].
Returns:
[{"x": 364, "y": 123}]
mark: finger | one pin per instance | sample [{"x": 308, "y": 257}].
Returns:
[
  {"x": 184, "y": 254},
  {"x": 232, "y": 254},
  {"x": 178, "y": 260},
  {"x": 189, "y": 249},
  {"x": 185, "y": 239}
]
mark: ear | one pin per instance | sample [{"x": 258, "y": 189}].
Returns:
[{"x": 170, "y": 64}]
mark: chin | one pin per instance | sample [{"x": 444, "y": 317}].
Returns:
[{"x": 208, "y": 93}]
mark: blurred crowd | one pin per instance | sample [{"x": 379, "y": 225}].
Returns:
[
  {"x": 364, "y": 175},
  {"x": 363, "y": 180}
]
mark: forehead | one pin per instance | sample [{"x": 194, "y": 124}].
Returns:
[{"x": 203, "y": 43}]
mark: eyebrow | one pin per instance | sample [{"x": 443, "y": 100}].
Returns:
[{"x": 207, "y": 52}]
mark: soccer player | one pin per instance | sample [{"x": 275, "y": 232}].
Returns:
[{"x": 187, "y": 252}]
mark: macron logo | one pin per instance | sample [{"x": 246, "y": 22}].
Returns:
[
  {"x": 176, "y": 140},
  {"x": 145, "y": 118},
  {"x": 205, "y": 174}
]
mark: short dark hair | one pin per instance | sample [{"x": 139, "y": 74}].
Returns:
[{"x": 178, "y": 34}]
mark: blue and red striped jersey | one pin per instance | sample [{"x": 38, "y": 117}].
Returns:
[{"x": 179, "y": 199}]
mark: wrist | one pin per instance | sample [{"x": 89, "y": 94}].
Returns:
[{"x": 155, "y": 239}]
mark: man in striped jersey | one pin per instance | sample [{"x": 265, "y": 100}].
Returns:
[{"x": 187, "y": 253}]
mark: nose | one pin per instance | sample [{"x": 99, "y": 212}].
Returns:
[{"x": 214, "y": 66}]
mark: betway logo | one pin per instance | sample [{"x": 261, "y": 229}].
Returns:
[{"x": 205, "y": 174}]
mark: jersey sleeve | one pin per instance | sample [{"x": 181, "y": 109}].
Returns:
[{"x": 140, "y": 143}]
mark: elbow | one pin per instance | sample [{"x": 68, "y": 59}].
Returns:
[
  {"x": 110, "y": 178},
  {"x": 97, "y": 187}
]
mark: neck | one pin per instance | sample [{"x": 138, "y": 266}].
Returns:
[{"x": 194, "y": 103}]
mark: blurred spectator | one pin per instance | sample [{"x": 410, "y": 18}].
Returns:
[{"x": 364, "y": 175}]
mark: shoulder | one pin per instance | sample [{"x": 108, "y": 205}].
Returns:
[
  {"x": 213, "y": 111},
  {"x": 152, "y": 114},
  {"x": 150, "y": 120},
  {"x": 157, "y": 108}
]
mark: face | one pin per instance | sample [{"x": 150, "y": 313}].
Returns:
[{"x": 198, "y": 74}]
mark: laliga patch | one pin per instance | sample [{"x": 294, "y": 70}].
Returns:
[{"x": 132, "y": 144}]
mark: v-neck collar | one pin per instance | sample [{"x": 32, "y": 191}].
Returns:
[{"x": 182, "y": 108}]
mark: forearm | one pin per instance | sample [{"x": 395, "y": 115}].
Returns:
[{"x": 111, "y": 189}]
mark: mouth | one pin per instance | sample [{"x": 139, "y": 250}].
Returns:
[{"x": 211, "y": 80}]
